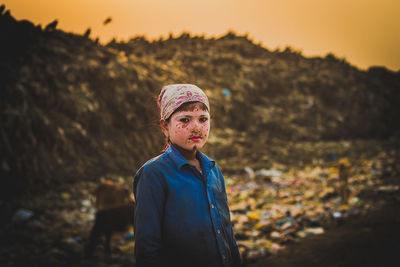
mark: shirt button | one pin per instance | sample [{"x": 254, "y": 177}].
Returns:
[
  {"x": 212, "y": 206},
  {"x": 218, "y": 231}
]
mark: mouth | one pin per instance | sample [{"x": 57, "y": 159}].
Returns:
[{"x": 195, "y": 138}]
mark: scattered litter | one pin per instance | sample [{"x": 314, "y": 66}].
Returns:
[
  {"x": 337, "y": 214},
  {"x": 22, "y": 215},
  {"x": 86, "y": 203}
]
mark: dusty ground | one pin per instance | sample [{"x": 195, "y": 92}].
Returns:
[{"x": 370, "y": 240}]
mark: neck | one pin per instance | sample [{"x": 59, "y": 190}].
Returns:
[{"x": 189, "y": 155}]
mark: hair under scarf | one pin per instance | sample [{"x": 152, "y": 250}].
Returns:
[{"x": 174, "y": 95}]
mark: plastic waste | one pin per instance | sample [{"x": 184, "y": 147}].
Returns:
[
  {"x": 250, "y": 172},
  {"x": 226, "y": 92},
  {"x": 86, "y": 203},
  {"x": 65, "y": 195},
  {"x": 337, "y": 214},
  {"x": 286, "y": 223},
  {"x": 270, "y": 173},
  {"x": 315, "y": 231},
  {"x": 128, "y": 236},
  {"x": 253, "y": 216},
  {"x": 22, "y": 215}
]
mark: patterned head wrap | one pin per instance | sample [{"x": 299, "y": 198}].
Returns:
[{"x": 174, "y": 95}]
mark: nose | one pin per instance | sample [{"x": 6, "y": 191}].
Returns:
[{"x": 196, "y": 126}]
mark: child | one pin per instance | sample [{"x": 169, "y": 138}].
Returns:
[{"x": 181, "y": 214}]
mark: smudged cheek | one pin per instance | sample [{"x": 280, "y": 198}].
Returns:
[
  {"x": 205, "y": 130},
  {"x": 180, "y": 125},
  {"x": 205, "y": 127},
  {"x": 180, "y": 129},
  {"x": 181, "y": 132}
]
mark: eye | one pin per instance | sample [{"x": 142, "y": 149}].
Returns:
[
  {"x": 203, "y": 119},
  {"x": 184, "y": 120}
]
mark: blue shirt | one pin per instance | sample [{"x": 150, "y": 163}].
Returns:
[{"x": 181, "y": 216}]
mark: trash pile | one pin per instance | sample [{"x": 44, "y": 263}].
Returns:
[
  {"x": 273, "y": 208},
  {"x": 73, "y": 108}
]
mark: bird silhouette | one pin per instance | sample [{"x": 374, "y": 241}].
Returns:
[{"x": 107, "y": 20}]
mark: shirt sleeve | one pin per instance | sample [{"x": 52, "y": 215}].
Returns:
[
  {"x": 237, "y": 261},
  {"x": 149, "y": 194}
]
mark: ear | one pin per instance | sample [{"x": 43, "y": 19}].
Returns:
[{"x": 164, "y": 127}]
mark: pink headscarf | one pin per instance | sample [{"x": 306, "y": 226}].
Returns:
[{"x": 174, "y": 95}]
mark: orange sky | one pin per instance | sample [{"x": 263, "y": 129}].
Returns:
[{"x": 365, "y": 32}]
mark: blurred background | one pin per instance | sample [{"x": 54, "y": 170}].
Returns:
[{"x": 305, "y": 102}]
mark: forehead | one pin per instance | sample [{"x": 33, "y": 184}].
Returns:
[{"x": 192, "y": 113}]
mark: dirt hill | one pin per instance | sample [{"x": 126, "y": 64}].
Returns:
[{"x": 72, "y": 108}]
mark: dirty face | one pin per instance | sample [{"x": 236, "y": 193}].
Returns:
[{"x": 188, "y": 129}]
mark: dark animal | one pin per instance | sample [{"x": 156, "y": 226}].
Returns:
[
  {"x": 2, "y": 8},
  {"x": 110, "y": 195},
  {"x": 107, "y": 222}
]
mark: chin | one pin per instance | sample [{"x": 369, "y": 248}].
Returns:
[
  {"x": 190, "y": 147},
  {"x": 194, "y": 147},
  {"x": 198, "y": 146}
]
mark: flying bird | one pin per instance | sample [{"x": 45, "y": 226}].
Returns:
[{"x": 107, "y": 20}]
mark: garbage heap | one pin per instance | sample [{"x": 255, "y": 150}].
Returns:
[
  {"x": 72, "y": 108},
  {"x": 273, "y": 208}
]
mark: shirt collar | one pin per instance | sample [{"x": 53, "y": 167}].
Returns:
[{"x": 180, "y": 161}]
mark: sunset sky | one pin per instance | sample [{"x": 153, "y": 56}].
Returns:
[{"x": 365, "y": 32}]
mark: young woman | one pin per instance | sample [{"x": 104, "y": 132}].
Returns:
[{"x": 181, "y": 214}]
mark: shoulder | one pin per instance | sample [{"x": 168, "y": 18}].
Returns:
[
  {"x": 152, "y": 169},
  {"x": 154, "y": 165}
]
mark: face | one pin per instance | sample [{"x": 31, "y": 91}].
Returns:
[{"x": 188, "y": 129}]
